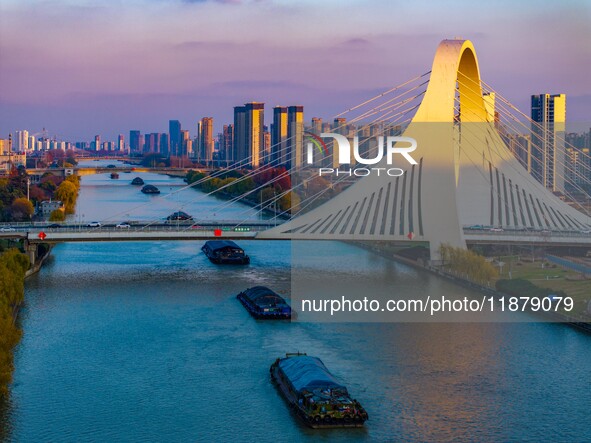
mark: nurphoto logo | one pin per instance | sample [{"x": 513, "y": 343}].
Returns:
[{"x": 386, "y": 146}]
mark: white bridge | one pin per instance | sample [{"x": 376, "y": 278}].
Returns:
[{"x": 465, "y": 177}]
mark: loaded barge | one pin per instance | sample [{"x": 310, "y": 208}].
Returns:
[
  {"x": 314, "y": 393},
  {"x": 225, "y": 252},
  {"x": 264, "y": 303}
]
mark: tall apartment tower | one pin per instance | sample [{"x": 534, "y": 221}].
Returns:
[
  {"x": 185, "y": 143},
  {"x": 21, "y": 141},
  {"x": 255, "y": 141},
  {"x": 134, "y": 141},
  {"x": 295, "y": 135},
  {"x": 239, "y": 144},
  {"x": 266, "y": 145},
  {"x": 317, "y": 125},
  {"x": 249, "y": 140},
  {"x": 205, "y": 148},
  {"x": 339, "y": 126},
  {"x": 279, "y": 136},
  {"x": 548, "y": 113},
  {"x": 174, "y": 131},
  {"x": 227, "y": 143}
]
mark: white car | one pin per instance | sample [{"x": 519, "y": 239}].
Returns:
[
  {"x": 496, "y": 229},
  {"x": 94, "y": 225},
  {"x": 7, "y": 229},
  {"x": 123, "y": 225}
]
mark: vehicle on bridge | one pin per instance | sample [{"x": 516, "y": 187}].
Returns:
[
  {"x": 137, "y": 181},
  {"x": 123, "y": 225},
  {"x": 264, "y": 303},
  {"x": 225, "y": 252},
  {"x": 94, "y": 224},
  {"x": 150, "y": 189},
  {"x": 179, "y": 215},
  {"x": 7, "y": 229},
  {"x": 315, "y": 394}
]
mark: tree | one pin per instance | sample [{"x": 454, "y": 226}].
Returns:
[
  {"x": 67, "y": 192},
  {"x": 57, "y": 215},
  {"x": 13, "y": 265},
  {"x": 22, "y": 209},
  {"x": 290, "y": 202}
]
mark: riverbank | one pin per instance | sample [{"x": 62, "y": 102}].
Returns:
[
  {"x": 556, "y": 317},
  {"x": 39, "y": 261},
  {"x": 13, "y": 266}
]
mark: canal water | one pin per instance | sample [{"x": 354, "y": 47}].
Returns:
[{"x": 147, "y": 342}]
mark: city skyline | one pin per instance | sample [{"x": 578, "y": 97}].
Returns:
[{"x": 111, "y": 77}]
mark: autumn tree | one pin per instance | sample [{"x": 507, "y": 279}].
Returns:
[
  {"x": 57, "y": 215},
  {"x": 67, "y": 193},
  {"x": 22, "y": 209}
]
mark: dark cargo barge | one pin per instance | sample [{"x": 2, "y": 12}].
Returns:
[
  {"x": 264, "y": 303},
  {"x": 225, "y": 252},
  {"x": 314, "y": 393}
]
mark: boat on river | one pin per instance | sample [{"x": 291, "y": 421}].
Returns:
[
  {"x": 316, "y": 396},
  {"x": 264, "y": 303},
  {"x": 137, "y": 181},
  {"x": 150, "y": 189},
  {"x": 114, "y": 175},
  {"x": 225, "y": 252}
]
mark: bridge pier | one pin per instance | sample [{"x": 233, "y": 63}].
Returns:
[{"x": 31, "y": 250}]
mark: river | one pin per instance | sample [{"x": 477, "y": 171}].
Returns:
[{"x": 146, "y": 342}]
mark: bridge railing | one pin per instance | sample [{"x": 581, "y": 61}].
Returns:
[
  {"x": 139, "y": 226},
  {"x": 544, "y": 234}
]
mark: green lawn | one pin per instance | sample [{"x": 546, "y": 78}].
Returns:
[{"x": 550, "y": 276}]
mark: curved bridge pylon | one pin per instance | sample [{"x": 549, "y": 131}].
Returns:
[{"x": 465, "y": 175}]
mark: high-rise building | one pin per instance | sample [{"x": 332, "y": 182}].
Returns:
[
  {"x": 248, "y": 134},
  {"x": 121, "y": 142},
  {"x": 97, "y": 143},
  {"x": 165, "y": 144},
  {"x": 266, "y": 145},
  {"x": 152, "y": 142},
  {"x": 227, "y": 143},
  {"x": 255, "y": 141},
  {"x": 520, "y": 146},
  {"x": 317, "y": 125},
  {"x": 548, "y": 113},
  {"x": 339, "y": 126},
  {"x": 206, "y": 140},
  {"x": 489, "y": 105},
  {"x": 279, "y": 154},
  {"x": 21, "y": 141},
  {"x": 174, "y": 131},
  {"x": 295, "y": 135},
  {"x": 185, "y": 139},
  {"x": 134, "y": 142},
  {"x": 239, "y": 145}
]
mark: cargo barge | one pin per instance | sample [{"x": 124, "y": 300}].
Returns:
[
  {"x": 225, "y": 252},
  {"x": 314, "y": 393},
  {"x": 150, "y": 189},
  {"x": 264, "y": 303}
]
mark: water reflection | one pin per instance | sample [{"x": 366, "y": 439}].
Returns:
[{"x": 134, "y": 341}]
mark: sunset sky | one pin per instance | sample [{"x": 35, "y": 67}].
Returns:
[{"x": 81, "y": 68}]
